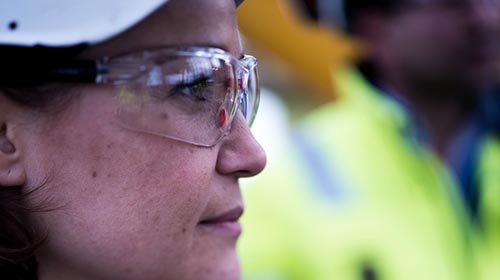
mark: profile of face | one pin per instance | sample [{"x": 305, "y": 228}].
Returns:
[
  {"x": 124, "y": 203},
  {"x": 443, "y": 41}
]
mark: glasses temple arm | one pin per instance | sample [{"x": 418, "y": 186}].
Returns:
[{"x": 39, "y": 72}]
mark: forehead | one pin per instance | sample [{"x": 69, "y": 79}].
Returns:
[{"x": 178, "y": 23}]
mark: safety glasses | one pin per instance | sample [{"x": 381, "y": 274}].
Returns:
[
  {"x": 187, "y": 94},
  {"x": 190, "y": 94}
]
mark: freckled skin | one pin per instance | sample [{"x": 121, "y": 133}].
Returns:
[{"x": 139, "y": 218}]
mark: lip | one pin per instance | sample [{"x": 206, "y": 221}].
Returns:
[{"x": 226, "y": 224}]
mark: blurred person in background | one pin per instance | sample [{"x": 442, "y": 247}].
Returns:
[{"x": 399, "y": 177}]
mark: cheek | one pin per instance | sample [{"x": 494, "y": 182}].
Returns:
[
  {"x": 127, "y": 211},
  {"x": 120, "y": 196}
]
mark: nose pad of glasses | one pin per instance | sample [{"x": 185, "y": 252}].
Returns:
[
  {"x": 244, "y": 104},
  {"x": 222, "y": 118}
]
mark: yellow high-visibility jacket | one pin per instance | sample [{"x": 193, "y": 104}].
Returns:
[{"x": 352, "y": 197}]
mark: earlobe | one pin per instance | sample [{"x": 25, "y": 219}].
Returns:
[{"x": 12, "y": 171}]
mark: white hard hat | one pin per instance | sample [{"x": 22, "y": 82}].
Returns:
[{"x": 69, "y": 22}]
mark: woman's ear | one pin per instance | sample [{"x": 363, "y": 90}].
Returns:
[{"x": 12, "y": 172}]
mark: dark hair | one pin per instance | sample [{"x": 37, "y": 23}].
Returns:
[
  {"x": 310, "y": 7},
  {"x": 348, "y": 11},
  {"x": 18, "y": 241},
  {"x": 354, "y": 8}
]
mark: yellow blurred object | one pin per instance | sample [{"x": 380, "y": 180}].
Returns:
[{"x": 314, "y": 51}]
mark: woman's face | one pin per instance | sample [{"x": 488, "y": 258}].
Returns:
[{"x": 131, "y": 205}]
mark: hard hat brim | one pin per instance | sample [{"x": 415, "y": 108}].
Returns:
[{"x": 70, "y": 22}]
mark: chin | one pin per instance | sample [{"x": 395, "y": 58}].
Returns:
[
  {"x": 221, "y": 267},
  {"x": 214, "y": 256},
  {"x": 233, "y": 271}
]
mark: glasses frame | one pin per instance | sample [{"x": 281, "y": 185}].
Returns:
[
  {"x": 126, "y": 69},
  {"x": 47, "y": 65}
]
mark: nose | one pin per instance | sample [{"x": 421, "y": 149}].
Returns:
[{"x": 240, "y": 154}]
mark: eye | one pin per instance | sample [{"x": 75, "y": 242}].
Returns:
[{"x": 197, "y": 89}]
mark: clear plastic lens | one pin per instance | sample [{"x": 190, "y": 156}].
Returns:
[
  {"x": 253, "y": 89},
  {"x": 190, "y": 95}
]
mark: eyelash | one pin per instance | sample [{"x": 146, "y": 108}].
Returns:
[{"x": 195, "y": 88}]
